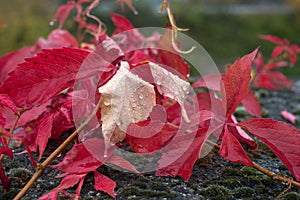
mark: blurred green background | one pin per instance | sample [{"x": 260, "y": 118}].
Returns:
[{"x": 227, "y": 29}]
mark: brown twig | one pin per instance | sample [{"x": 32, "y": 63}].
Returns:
[{"x": 41, "y": 167}]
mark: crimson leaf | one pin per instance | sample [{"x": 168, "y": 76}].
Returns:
[
  {"x": 281, "y": 138},
  {"x": 104, "y": 184},
  {"x": 236, "y": 82},
  {"x": 43, "y": 76}
]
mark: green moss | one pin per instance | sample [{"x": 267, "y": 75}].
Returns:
[{"x": 215, "y": 192}]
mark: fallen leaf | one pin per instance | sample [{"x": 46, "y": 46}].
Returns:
[
  {"x": 105, "y": 184},
  {"x": 171, "y": 85},
  {"x": 125, "y": 99},
  {"x": 281, "y": 138},
  {"x": 288, "y": 116}
]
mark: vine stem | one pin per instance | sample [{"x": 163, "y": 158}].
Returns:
[
  {"x": 276, "y": 176},
  {"x": 41, "y": 167}
]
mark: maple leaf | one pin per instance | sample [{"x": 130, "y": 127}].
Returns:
[
  {"x": 125, "y": 99},
  {"x": 281, "y": 138}
]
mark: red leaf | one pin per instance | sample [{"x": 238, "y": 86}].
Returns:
[
  {"x": 271, "y": 80},
  {"x": 50, "y": 196},
  {"x": 69, "y": 181},
  {"x": 63, "y": 12},
  {"x": 281, "y": 138},
  {"x": 44, "y": 76},
  {"x": 288, "y": 116},
  {"x": 210, "y": 81},
  {"x": 5, "y": 100},
  {"x": 105, "y": 184},
  {"x": 272, "y": 39},
  {"x": 121, "y": 23},
  {"x": 5, "y": 181},
  {"x": 251, "y": 103},
  {"x": 44, "y": 132},
  {"x": 121, "y": 162},
  {"x": 232, "y": 150},
  {"x": 6, "y": 151},
  {"x": 181, "y": 154},
  {"x": 56, "y": 39},
  {"x": 79, "y": 160},
  {"x": 236, "y": 82},
  {"x": 170, "y": 58},
  {"x": 9, "y": 61}
]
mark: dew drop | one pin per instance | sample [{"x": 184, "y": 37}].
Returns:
[
  {"x": 166, "y": 72},
  {"x": 106, "y": 102},
  {"x": 51, "y": 23},
  {"x": 141, "y": 96},
  {"x": 133, "y": 105},
  {"x": 158, "y": 82}
]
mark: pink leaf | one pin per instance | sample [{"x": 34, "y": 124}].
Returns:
[
  {"x": 236, "y": 82},
  {"x": 271, "y": 80},
  {"x": 105, "y": 184},
  {"x": 281, "y": 138},
  {"x": 121, "y": 162},
  {"x": 288, "y": 116},
  {"x": 210, "y": 81},
  {"x": 232, "y": 150},
  {"x": 56, "y": 39},
  {"x": 251, "y": 103}
]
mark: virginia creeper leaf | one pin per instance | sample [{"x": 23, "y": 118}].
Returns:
[
  {"x": 43, "y": 76},
  {"x": 281, "y": 138},
  {"x": 79, "y": 160},
  {"x": 125, "y": 99},
  {"x": 251, "y": 103},
  {"x": 232, "y": 150},
  {"x": 105, "y": 184},
  {"x": 69, "y": 181},
  {"x": 186, "y": 148},
  {"x": 5, "y": 100},
  {"x": 121, "y": 162},
  {"x": 235, "y": 82},
  {"x": 171, "y": 85}
]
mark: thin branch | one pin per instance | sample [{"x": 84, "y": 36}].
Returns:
[{"x": 41, "y": 167}]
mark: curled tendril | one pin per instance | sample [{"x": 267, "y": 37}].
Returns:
[
  {"x": 101, "y": 25},
  {"x": 165, "y": 4}
]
